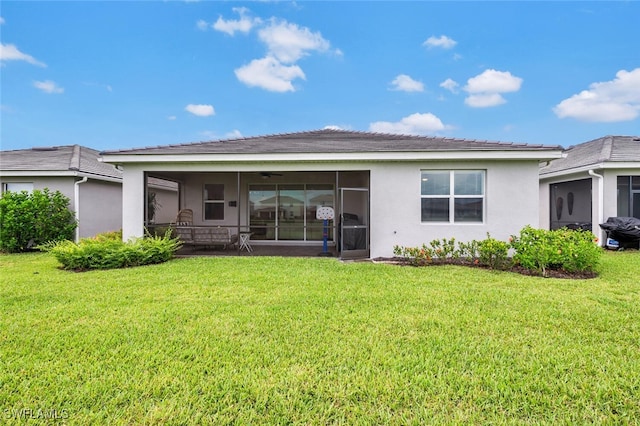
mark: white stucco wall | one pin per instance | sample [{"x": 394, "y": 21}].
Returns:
[
  {"x": 132, "y": 202},
  {"x": 100, "y": 207},
  {"x": 511, "y": 202},
  {"x": 64, "y": 184}
]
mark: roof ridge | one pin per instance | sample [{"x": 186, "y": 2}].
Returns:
[
  {"x": 606, "y": 149},
  {"x": 329, "y": 132},
  {"x": 74, "y": 162}
]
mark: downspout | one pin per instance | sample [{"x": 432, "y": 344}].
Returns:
[
  {"x": 600, "y": 204},
  {"x": 76, "y": 201}
]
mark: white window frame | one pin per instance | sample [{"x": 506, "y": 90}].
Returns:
[
  {"x": 205, "y": 201},
  {"x": 452, "y": 196},
  {"x": 22, "y": 186}
]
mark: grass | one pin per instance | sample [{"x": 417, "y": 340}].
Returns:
[{"x": 253, "y": 340}]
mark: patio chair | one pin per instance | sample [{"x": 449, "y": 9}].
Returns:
[{"x": 184, "y": 218}]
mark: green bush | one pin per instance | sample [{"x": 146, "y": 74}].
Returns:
[
  {"x": 494, "y": 253},
  {"x": 562, "y": 249},
  {"x": 31, "y": 219},
  {"x": 415, "y": 255},
  {"x": 106, "y": 252},
  {"x": 537, "y": 250}
]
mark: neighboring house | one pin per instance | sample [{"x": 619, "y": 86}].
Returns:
[
  {"x": 596, "y": 180},
  {"x": 93, "y": 187},
  {"x": 386, "y": 189}
]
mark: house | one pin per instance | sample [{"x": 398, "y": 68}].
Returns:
[
  {"x": 93, "y": 188},
  {"x": 594, "y": 181},
  {"x": 385, "y": 189}
]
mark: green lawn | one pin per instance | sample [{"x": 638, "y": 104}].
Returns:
[{"x": 253, "y": 340}]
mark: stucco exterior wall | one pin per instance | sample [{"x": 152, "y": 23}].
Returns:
[
  {"x": 64, "y": 184},
  {"x": 511, "y": 202},
  {"x": 100, "y": 207}
]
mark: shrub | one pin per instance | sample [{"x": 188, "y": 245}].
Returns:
[
  {"x": 469, "y": 250},
  {"x": 493, "y": 253},
  {"x": 445, "y": 249},
  {"x": 415, "y": 255},
  {"x": 106, "y": 252},
  {"x": 30, "y": 219},
  {"x": 563, "y": 249}
]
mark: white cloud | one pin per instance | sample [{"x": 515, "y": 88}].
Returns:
[
  {"x": 285, "y": 43},
  {"x": 443, "y": 41},
  {"x": 485, "y": 89},
  {"x": 9, "y": 52},
  {"x": 414, "y": 124},
  {"x": 450, "y": 85},
  {"x": 1, "y": 20},
  {"x": 334, "y": 127},
  {"x": 171, "y": 117},
  {"x": 202, "y": 25},
  {"x": 243, "y": 25},
  {"x": 200, "y": 110},
  {"x": 268, "y": 73},
  {"x": 485, "y": 100},
  {"x": 234, "y": 134},
  {"x": 288, "y": 42},
  {"x": 492, "y": 81},
  {"x": 609, "y": 101},
  {"x": 405, "y": 83},
  {"x": 48, "y": 86}
]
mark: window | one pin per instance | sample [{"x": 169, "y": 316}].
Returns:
[
  {"x": 214, "y": 201},
  {"x": 629, "y": 196},
  {"x": 17, "y": 187},
  {"x": 452, "y": 195}
]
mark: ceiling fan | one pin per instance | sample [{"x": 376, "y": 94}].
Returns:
[{"x": 267, "y": 175}]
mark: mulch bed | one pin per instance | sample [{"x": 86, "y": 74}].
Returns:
[{"x": 550, "y": 273}]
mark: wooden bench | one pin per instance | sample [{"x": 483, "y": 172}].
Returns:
[{"x": 206, "y": 236}]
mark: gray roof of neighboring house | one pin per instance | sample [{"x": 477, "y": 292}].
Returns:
[
  {"x": 608, "y": 149},
  {"x": 332, "y": 141},
  {"x": 69, "y": 158}
]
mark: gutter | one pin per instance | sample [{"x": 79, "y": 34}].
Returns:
[
  {"x": 600, "y": 203},
  {"x": 76, "y": 201}
]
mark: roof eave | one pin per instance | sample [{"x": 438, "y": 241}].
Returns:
[
  {"x": 539, "y": 155},
  {"x": 58, "y": 173},
  {"x": 596, "y": 166}
]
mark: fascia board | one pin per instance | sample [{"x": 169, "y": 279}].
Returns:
[
  {"x": 332, "y": 157},
  {"x": 38, "y": 173},
  {"x": 585, "y": 169},
  {"x": 573, "y": 171},
  {"x": 621, "y": 165},
  {"x": 59, "y": 173}
]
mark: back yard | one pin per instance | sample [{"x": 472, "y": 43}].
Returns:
[{"x": 269, "y": 340}]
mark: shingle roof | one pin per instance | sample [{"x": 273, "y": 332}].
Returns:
[
  {"x": 607, "y": 149},
  {"x": 72, "y": 158},
  {"x": 332, "y": 141}
]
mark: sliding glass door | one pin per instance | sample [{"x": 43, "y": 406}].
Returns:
[{"x": 287, "y": 212}]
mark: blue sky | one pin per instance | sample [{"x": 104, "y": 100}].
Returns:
[{"x": 118, "y": 74}]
